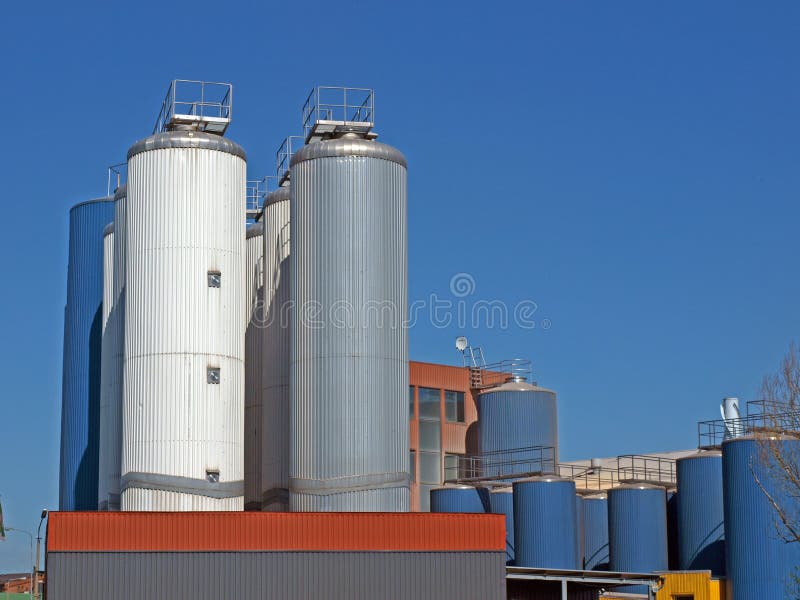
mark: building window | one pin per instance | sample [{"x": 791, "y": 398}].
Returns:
[
  {"x": 429, "y": 403},
  {"x": 425, "y": 497},
  {"x": 411, "y": 402},
  {"x": 430, "y": 468},
  {"x": 412, "y": 465},
  {"x": 454, "y": 406},
  {"x": 430, "y": 436},
  {"x": 452, "y": 468}
]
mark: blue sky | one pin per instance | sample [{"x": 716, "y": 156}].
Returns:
[{"x": 631, "y": 167}]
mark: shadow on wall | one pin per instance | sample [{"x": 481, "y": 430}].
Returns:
[{"x": 85, "y": 493}]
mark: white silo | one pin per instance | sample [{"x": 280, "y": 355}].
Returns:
[
  {"x": 253, "y": 364},
  {"x": 277, "y": 295},
  {"x": 349, "y": 346},
  {"x": 184, "y": 320},
  {"x": 105, "y": 466}
]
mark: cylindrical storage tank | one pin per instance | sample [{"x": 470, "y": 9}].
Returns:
[
  {"x": 276, "y": 355},
  {"x": 459, "y": 499},
  {"x": 501, "y": 502},
  {"x": 349, "y": 346},
  {"x": 253, "y": 363},
  {"x": 595, "y": 533},
  {"x": 105, "y": 467},
  {"x": 637, "y": 529},
  {"x": 545, "y": 523},
  {"x": 672, "y": 530},
  {"x": 83, "y": 333},
  {"x": 517, "y": 415},
  {"x": 183, "y": 440},
  {"x": 579, "y": 525},
  {"x": 760, "y": 563},
  {"x": 700, "y": 513}
]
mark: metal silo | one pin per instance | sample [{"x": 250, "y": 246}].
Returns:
[
  {"x": 184, "y": 324},
  {"x": 460, "y": 499},
  {"x": 349, "y": 345},
  {"x": 579, "y": 526},
  {"x": 83, "y": 328},
  {"x": 545, "y": 523},
  {"x": 105, "y": 467},
  {"x": 253, "y": 364},
  {"x": 637, "y": 528},
  {"x": 517, "y": 415},
  {"x": 760, "y": 564},
  {"x": 275, "y": 395},
  {"x": 701, "y": 518},
  {"x": 501, "y": 502},
  {"x": 595, "y": 533}
]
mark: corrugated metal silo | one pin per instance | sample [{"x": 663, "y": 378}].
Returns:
[
  {"x": 760, "y": 564},
  {"x": 501, "y": 502},
  {"x": 184, "y": 324},
  {"x": 253, "y": 364},
  {"x": 276, "y": 312},
  {"x": 637, "y": 528},
  {"x": 579, "y": 526},
  {"x": 80, "y": 394},
  {"x": 672, "y": 530},
  {"x": 701, "y": 514},
  {"x": 460, "y": 499},
  {"x": 349, "y": 366},
  {"x": 517, "y": 415},
  {"x": 105, "y": 467},
  {"x": 595, "y": 533},
  {"x": 545, "y": 523}
]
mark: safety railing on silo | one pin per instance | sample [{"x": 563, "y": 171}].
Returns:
[
  {"x": 283, "y": 157},
  {"x": 330, "y": 109},
  {"x": 117, "y": 175},
  {"x": 502, "y": 465},
  {"x": 202, "y": 105},
  {"x": 761, "y": 419},
  {"x": 494, "y": 374},
  {"x": 589, "y": 479},
  {"x": 637, "y": 468},
  {"x": 256, "y": 190}
]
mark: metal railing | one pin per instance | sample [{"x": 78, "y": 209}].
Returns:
[
  {"x": 633, "y": 468},
  {"x": 283, "y": 156},
  {"x": 494, "y": 374},
  {"x": 343, "y": 105},
  {"x": 256, "y": 190},
  {"x": 196, "y": 102},
  {"x": 502, "y": 465},
  {"x": 589, "y": 479},
  {"x": 117, "y": 175},
  {"x": 711, "y": 434},
  {"x": 769, "y": 407}
]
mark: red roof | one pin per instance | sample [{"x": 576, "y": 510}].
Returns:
[{"x": 253, "y": 531}]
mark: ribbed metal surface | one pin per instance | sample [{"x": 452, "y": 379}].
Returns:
[
  {"x": 267, "y": 575},
  {"x": 185, "y": 218},
  {"x": 106, "y": 371},
  {"x": 637, "y": 529},
  {"x": 545, "y": 523},
  {"x": 700, "y": 513},
  {"x": 760, "y": 565},
  {"x": 253, "y": 365},
  {"x": 517, "y": 415},
  {"x": 579, "y": 525},
  {"x": 501, "y": 502},
  {"x": 672, "y": 530},
  {"x": 274, "y": 492},
  {"x": 83, "y": 332},
  {"x": 460, "y": 499},
  {"x": 349, "y": 352},
  {"x": 595, "y": 533}
]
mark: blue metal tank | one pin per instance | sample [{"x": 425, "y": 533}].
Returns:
[
  {"x": 501, "y": 502},
  {"x": 83, "y": 332},
  {"x": 579, "y": 524},
  {"x": 517, "y": 415},
  {"x": 459, "y": 499},
  {"x": 672, "y": 530},
  {"x": 700, "y": 513},
  {"x": 545, "y": 523},
  {"x": 595, "y": 533},
  {"x": 760, "y": 564},
  {"x": 637, "y": 529}
]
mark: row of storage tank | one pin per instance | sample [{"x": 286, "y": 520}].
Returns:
[{"x": 721, "y": 518}]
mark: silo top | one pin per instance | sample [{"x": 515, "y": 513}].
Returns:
[
  {"x": 454, "y": 486},
  {"x": 504, "y": 490},
  {"x": 762, "y": 436},
  {"x": 255, "y": 230},
  {"x": 349, "y": 146},
  {"x": 187, "y": 139},
  {"x": 279, "y": 195},
  {"x": 702, "y": 454},
  {"x": 596, "y": 497},
  {"x": 544, "y": 479},
  {"x": 121, "y": 192},
  {"x": 517, "y": 386},
  {"x": 108, "y": 229},
  {"x": 94, "y": 201},
  {"x": 638, "y": 486}
]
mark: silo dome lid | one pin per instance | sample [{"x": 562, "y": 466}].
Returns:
[
  {"x": 282, "y": 193},
  {"x": 348, "y": 146},
  {"x": 454, "y": 486},
  {"x": 597, "y": 496},
  {"x": 92, "y": 201},
  {"x": 108, "y": 229},
  {"x": 501, "y": 490},
  {"x": 187, "y": 139},
  {"x": 544, "y": 479},
  {"x": 121, "y": 192},
  {"x": 638, "y": 486},
  {"x": 762, "y": 436},
  {"x": 517, "y": 386},
  {"x": 255, "y": 230},
  {"x": 701, "y": 454}
]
